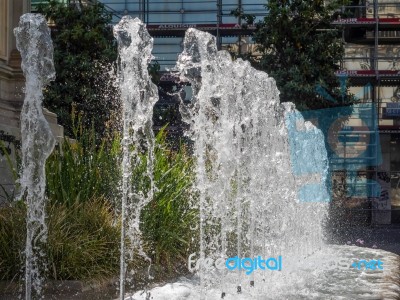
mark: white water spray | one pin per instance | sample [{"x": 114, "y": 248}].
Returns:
[
  {"x": 248, "y": 194},
  {"x": 261, "y": 172},
  {"x": 37, "y": 141},
  {"x": 138, "y": 95}
]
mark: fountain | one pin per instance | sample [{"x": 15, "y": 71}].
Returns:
[
  {"x": 139, "y": 95},
  {"x": 37, "y": 141},
  {"x": 261, "y": 178},
  {"x": 247, "y": 189}
]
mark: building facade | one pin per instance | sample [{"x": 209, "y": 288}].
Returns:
[
  {"x": 168, "y": 20},
  {"x": 371, "y": 33}
]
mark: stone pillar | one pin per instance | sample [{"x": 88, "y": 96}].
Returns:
[{"x": 11, "y": 77}]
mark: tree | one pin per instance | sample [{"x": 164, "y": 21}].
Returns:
[
  {"x": 301, "y": 49},
  {"x": 84, "y": 54}
]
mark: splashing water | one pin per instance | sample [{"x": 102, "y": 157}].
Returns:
[
  {"x": 245, "y": 151},
  {"x": 247, "y": 189},
  {"x": 254, "y": 201},
  {"x": 313, "y": 280},
  {"x": 138, "y": 95},
  {"x": 37, "y": 141}
]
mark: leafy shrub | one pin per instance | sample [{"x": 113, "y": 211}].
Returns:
[
  {"x": 83, "y": 212},
  {"x": 80, "y": 169},
  {"x": 83, "y": 240},
  {"x": 167, "y": 219},
  {"x": 12, "y": 239},
  {"x": 13, "y": 162},
  {"x": 84, "y": 53}
]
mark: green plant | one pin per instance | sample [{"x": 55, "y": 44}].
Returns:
[
  {"x": 82, "y": 243},
  {"x": 81, "y": 169},
  {"x": 13, "y": 163},
  {"x": 12, "y": 239},
  {"x": 83, "y": 222},
  {"x": 301, "y": 49},
  {"x": 167, "y": 219},
  {"x": 85, "y": 52},
  {"x": 154, "y": 71}
]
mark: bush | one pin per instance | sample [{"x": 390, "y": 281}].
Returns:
[
  {"x": 80, "y": 169},
  {"x": 167, "y": 219},
  {"x": 12, "y": 239},
  {"x": 83, "y": 214},
  {"x": 83, "y": 240},
  {"x": 84, "y": 53}
]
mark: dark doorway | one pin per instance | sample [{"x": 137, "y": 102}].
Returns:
[{"x": 395, "y": 176}]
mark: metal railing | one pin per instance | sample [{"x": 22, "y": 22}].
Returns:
[
  {"x": 372, "y": 9},
  {"x": 180, "y": 9}
]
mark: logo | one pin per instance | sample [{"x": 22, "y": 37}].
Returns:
[
  {"x": 368, "y": 265},
  {"x": 249, "y": 265},
  {"x": 235, "y": 263}
]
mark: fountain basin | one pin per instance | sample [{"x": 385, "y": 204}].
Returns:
[{"x": 310, "y": 278}]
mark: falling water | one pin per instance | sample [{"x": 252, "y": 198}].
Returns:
[
  {"x": 138, "y": 95},
  {"x": 250, "y": 202},
  {"x": 37, "y": 141},
  {"x": 254, "y": 199}
]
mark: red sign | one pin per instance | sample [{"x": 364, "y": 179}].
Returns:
[
  {"x": 390, "y": 20},
  {"x": 367, "y": 21},
  {"x": 169, "y": 77},
  {"x": 199, "y": 26},
  {"x": 367, "y": 73},
  {"x": 355, "y": 21}
]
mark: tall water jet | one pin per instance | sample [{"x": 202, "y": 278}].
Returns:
[
  {"x": 37, "y": 141},
  {"x": 252, "y": 203},
  {"x": 138, "y": 95}
]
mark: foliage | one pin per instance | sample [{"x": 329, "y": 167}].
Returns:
[
  {"x": 81, "y": 169},
  {"x": 167, "y": 114},
  {"x": 167, "y": 219},
  {"x": 12, "y": 239},
  {"x": 83, "y": 240},
  {"x": 154, "y": 71},
  {"x": 83, "y": 221},
  {"x": 11, "y": 140},
  {"x": 301, "y": 50},
  {"x": 84, "y": 54},
  {"x": 13, "y": 162}
]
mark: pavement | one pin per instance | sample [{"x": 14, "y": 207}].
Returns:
[{"x": 385, "y": 237}]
